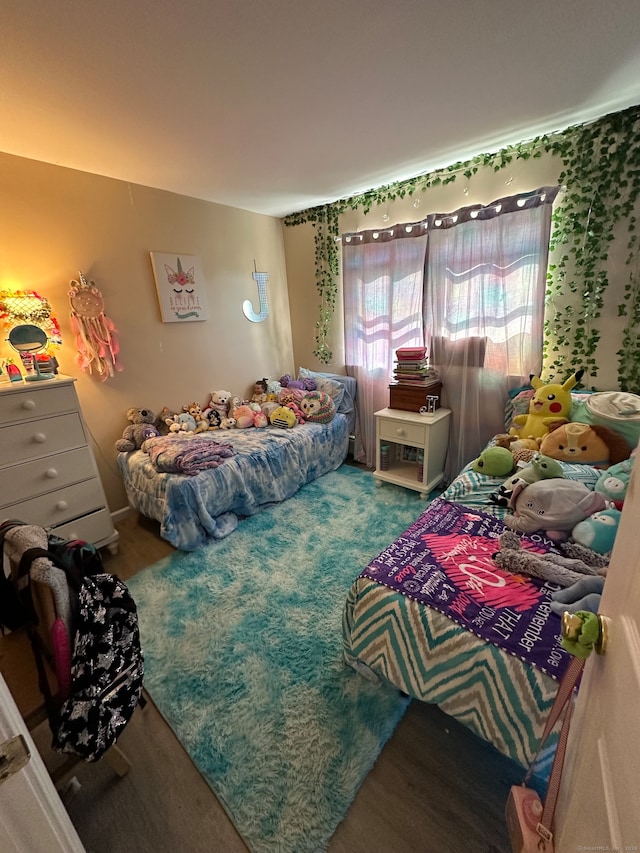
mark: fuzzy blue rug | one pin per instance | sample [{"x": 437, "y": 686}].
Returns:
[{"x": 242, "y": 641}]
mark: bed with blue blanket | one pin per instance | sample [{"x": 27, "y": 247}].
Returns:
[
  {"x": 199, "y": 497},
  {"x": 435, "y": 617}
]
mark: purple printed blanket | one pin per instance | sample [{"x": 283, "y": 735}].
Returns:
[
  {"x": 444, "y": 560},
  {"x": 188, "y": 454}
]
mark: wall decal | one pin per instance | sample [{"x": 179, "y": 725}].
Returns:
[
  {"x": 261, "y": 279},
  {"x": 180, "y": 285}
]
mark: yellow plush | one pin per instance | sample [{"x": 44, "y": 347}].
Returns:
[{"x": 551, "y": 404}]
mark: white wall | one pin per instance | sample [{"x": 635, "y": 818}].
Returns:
[
  {"x": 55, "y": 221},
  {"x": 482, "y": 188}
]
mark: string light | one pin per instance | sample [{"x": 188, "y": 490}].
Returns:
[{"x": 27, "y": 306}]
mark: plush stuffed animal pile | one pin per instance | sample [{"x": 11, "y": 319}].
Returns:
[{"x": 277, "y": 402}]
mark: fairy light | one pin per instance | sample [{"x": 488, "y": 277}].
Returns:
[{"x": 28, "y": 307}]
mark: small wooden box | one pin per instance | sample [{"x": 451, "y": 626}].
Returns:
[{"x": 411, "y": 399}]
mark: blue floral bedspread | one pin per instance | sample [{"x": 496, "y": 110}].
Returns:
[{"x": 269, "y": 466}]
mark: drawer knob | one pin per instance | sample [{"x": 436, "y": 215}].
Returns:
[
  {"x": 62, "y": 505},
  {"x": 51, "y": 473},
  {"x": 29, "y": 405},
  {"x": 40, "y": 438},
  {"x": 399, "y": 431}
]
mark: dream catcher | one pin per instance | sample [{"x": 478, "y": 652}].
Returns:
[{"x": 95, "y": 334}]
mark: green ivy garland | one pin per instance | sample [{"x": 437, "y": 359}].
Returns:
[{"x": 601, "y": 170}]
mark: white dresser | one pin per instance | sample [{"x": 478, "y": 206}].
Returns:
[{"x": 48, "y": 474}]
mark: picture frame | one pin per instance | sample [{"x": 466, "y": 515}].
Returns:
[{"x": 180, "y": 286}]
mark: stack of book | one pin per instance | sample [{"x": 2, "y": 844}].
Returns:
[{"x": 412, "y": 367}]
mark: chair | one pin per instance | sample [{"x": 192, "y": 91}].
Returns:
[{"x": 49, "y": 605}]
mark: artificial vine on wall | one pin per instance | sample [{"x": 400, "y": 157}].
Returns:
[{"x": 600, "y": 166}]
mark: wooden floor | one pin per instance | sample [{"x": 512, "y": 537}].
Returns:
[{"x": 436, "y": 786}]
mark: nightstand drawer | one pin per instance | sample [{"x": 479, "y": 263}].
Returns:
[
  {"x": 32, "y": 440},
  {"x": 63, "y": 505},
  {"x": 29, "y": 479},
  {"x": 28, "y": 404},
  {"x": 401, "y": 431}
]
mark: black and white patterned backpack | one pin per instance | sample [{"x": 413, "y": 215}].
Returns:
[
  {"x": 107, "y": 663},
  {"x": 107, "y": 669}
]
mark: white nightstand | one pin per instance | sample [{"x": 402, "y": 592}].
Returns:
[{"x": 409, "y": 434}]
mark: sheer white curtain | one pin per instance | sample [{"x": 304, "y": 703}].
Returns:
[
  {"x": 468, "y": 284},
  {"x": 484, "y": 310},
  {"x": 383, "y": 276}
]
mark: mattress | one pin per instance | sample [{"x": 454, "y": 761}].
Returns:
[
  {"x": 403, "y": 622},
  {"x": 269, "y": 465}
]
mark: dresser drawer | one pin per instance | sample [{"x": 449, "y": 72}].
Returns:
[
  {"x": 35, "y": 439},
  {"x": 29, "y": 479},
  {"x": 27, "y": 404},
  {"x": 60, "y": 506},
  {"x": 401, "y": 431},
  {"x": 97, "y": 527}
]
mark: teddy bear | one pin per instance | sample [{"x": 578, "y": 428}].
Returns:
[
  {"x": 260, "y": 420},
  {"x": 193, "y": 409},
  {"x": 522, "y": 449},
  {"x": 596, "y": 445},
  {"x": 318, "y": 407},
  {"x": 141, "y": 428},
  {"x": 244, "y": 417},
  {"x": 213, "y": 418},
  {"x": 219, "y": 400},
  {"x": 164, "y": 420},
  {"x": 273, "y": 389},
  {"x": 551, "y": 404},
  {"x": 598, "y": 531},
  {"x": 540, "y": 468},
  {"x": 300, "y": 416},
  {"x": 184, "y": 423},
  {"x": 228, "y": 423},
  {"x": 554, "y": 506},
  {"x": 557, "y": 568},
  {"x": 494, "y": 462},
  {"x": 613, "y": 483},
  {"x": 288, "y": 381},
  {"x": 283, "y": 417}
]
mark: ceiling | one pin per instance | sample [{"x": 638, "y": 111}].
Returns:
[{"x": 278, "y": 105}]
